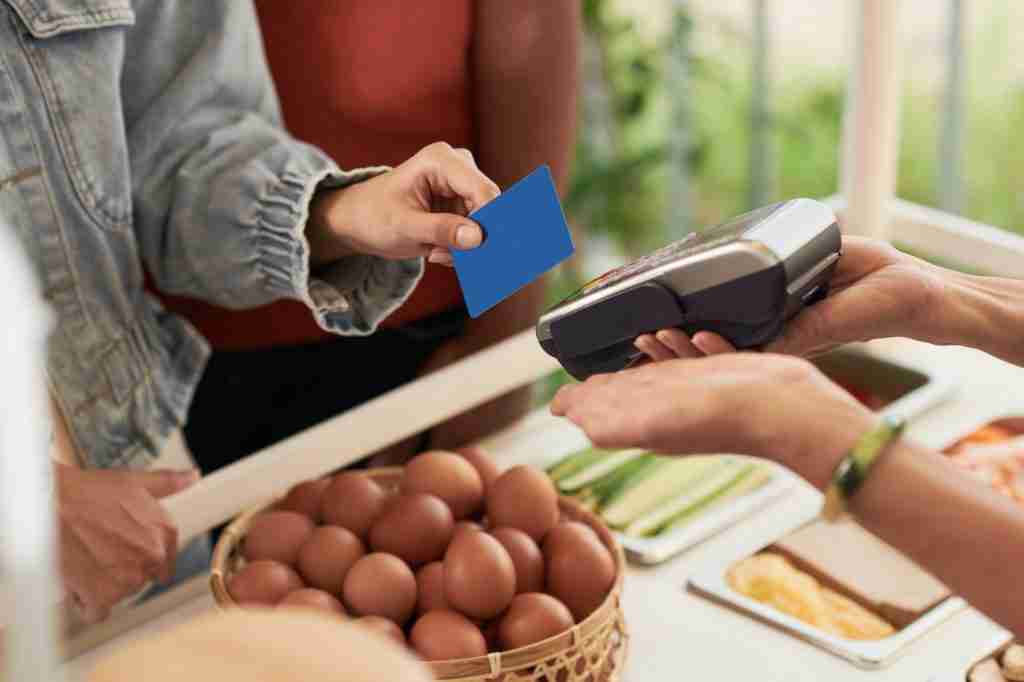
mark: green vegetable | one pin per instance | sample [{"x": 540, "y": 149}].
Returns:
[
  {"x": 609, "y": 485},
  {"x": 589, "y": 475},
  {"x": 692, "y": 501},
  {"x": 743, "y": 486},
  {"x": 651, "y": 487},
  {"x": 576, "y": 462}
]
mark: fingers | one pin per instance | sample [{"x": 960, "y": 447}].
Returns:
[
  {"x": 710, "y": 343},
  {"x": 565, "y": 397},
  {"x": 653, "y": 348},
  {"x": 679, "y": 343},
  {"x": 447, "y": 231},
  {"x": 861, "y": 257},
  {"x": 669, "y": 344},
  {"x": 163, "y": 552},
  {"x": 453, "y": 172},
  {"x": 163, "y": 483},
  {"x": 170, "y": 545},
  {"x": 841, "y": 318},
  {"x": 88, "y": 611},
  {"x": 441, "y": 257}
]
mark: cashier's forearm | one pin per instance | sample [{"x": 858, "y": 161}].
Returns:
[
  {"x": 986, "y": 313},
  {"x": 952, "y": 525}
]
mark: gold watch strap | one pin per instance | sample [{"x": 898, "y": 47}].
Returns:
[{"x": 853, "y": 470}]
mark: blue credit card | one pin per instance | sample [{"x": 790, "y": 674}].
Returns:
[{"x": 525, "y": 235}]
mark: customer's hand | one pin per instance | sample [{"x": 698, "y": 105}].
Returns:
[
  {"x": 766, "y": 405},
  {"x": 877, "y": 292},
  {"x": 114, "y": 535},
  {"x": 418, "y": 209}
]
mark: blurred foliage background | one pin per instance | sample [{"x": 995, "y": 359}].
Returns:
[{"x": 667, "y": 117}]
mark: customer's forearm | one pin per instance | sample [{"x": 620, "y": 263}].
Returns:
[
  {"x": 967, "y": 536},
  {"x": 985, "y": 313}
]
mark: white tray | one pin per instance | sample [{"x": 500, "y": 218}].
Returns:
[
  {"x": 995, "y": 644},
  {"x": 869, "y": 655}
]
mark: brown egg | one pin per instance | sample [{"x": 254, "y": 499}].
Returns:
[
  {"x": 381, "y": 585},
  {"x": 526, "y": 556},
  {"x": 384, "y": 627},
  {"x": 277, "y": 535},
  {"x": 479, "y": 576},
  {"x": 310, "y": 598},
  {"x": 354, "y": 501},
  {"x": 430, "y": 588},
  {"x": 415, "y": 527},
  {"x": 464, "y": 526},
  {"x": 580, "y": 569},
  {"x": 263, "y": 583},
  {"x": 530, "y": 618},
  {"x": 445, "y": 635},
  {"x": 306, "y": 498},
  {"x": 326, "y": 557},
  {"x": 567, "y": 530},
  {"x": 523, "y": 498},
  {"x": 482, "y": 462},
  {"x": 448, "y": 476}
]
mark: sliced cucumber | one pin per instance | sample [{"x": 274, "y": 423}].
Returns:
[
  {"x": 652, "y": 487},
  {"x": 654, "y": 522},
  {"x": 609, "y": 485},
  {"x": 576, "y": 462},
  {"x": 597, "y": 470},
  {"x": 744, "y": 485},
  {"x": 723, "y": 494}
]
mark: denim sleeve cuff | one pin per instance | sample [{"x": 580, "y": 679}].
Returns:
[{"x": 349, "y": 297}]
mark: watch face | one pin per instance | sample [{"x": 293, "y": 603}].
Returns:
[{"x": 692, "y": 244}]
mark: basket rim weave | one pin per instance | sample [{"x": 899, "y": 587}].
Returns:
[{"x": 464, "y": 668}]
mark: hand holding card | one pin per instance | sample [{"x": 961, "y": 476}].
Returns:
[{"x": 525, "y": 235}]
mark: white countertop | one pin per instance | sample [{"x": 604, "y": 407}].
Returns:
[{"x": 678, "y": 635}]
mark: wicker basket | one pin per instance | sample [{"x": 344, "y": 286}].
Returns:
[{"x": 592, "y": 651}]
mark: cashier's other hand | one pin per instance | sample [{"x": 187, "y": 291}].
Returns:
[
  {"x": 417, "y": 209},
  {"x": 773, "y": 406},
  {"x": 877, "y": 292},
  {"x": 115, "y": 537}
]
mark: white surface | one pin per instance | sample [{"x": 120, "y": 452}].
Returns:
[{"x": 678, "y": 636}]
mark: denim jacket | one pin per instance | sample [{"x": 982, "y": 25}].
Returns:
[{"x": 146, "y": 133}]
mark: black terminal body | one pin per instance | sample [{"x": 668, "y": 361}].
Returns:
[{"x": 742, "y": 279}]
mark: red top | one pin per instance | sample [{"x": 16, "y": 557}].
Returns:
[{"x": 370, "y": 82}]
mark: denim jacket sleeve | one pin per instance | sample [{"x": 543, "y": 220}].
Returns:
[{"x": 221, "y": 193}]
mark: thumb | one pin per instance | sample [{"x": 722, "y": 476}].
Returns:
[
  {"x": 448, "y": 231},
  {"x": 819, "y": 328},
  {"x": 165, "y": 482}
]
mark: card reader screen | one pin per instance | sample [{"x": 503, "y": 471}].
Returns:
[{"x": 692, "y": 244}]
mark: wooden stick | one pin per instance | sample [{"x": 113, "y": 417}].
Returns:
[{"x": 354, "y": 434}]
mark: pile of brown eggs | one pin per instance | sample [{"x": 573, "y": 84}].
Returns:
[{"x": 460, "y": 561}]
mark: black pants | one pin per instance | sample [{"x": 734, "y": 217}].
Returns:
[{"x": 248, "y": 400}]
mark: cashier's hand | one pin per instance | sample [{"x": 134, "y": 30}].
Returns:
[
  {"x": 417, "y": 209},
  {"x": 115, "y": 537},
  {"x": 773, "y": 406},
  {"x": 877, "y": 292}
]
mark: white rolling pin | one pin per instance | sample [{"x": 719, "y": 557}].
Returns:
[{"x": 354, "y": 434}]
